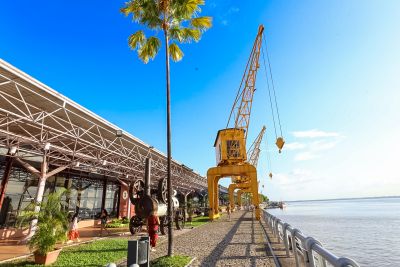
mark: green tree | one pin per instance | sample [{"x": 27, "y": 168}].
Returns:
[{"x": 180, "y": 22}]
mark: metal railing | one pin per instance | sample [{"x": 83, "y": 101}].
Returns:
[{"x": 307, "y": 251}]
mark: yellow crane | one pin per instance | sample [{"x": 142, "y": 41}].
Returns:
[{"x": 230, "y": 144}]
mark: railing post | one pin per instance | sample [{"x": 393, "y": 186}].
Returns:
[
  {"x": 309, "y": 242},
  {"x": 294, "y": 245},
  {"x": 285, "y": 238},
  {"x": 277, "y": 229}
]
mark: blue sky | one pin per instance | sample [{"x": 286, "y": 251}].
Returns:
[{"x": 336, "y": 67}]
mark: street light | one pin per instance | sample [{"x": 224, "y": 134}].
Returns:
[
  {"x": 47, "y": 146},
  {"x": 12, "y": 150},
  {"x": 118, "y": 133}
]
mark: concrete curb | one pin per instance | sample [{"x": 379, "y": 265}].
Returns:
[{"x": 190, "y": 262}]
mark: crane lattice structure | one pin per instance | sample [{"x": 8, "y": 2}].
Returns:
[
  {"x": 244, "y": 98},
  {"x": 254, "y": 151}
]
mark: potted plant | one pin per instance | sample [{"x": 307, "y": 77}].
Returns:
[{"x": 51, "y": 228}]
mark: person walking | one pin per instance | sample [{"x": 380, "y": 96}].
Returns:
[
  {"x": 103, "y": 221},
  {"x": 73, "y": 234},
  {"x": 152, "y": 227},
  {"x": 228, "y": 211}
]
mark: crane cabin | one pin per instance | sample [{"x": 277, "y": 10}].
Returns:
[{"x": 230, "y": 147}]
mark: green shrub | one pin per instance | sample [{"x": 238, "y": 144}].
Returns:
[
  {"x": 118, "y": 223},
  {"x": 52, "y": 225}
]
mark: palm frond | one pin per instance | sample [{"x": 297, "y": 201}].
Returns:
[
  {"x": 149, "y": 49},
  {"x": 185, "y": 9},
  {"x": 151, "y": 15},
  {"x": 146, "y": 12},
  {"x": 190, "y": 35},
  {"x": 176, "y": 34},
  {"x": 175, "y": 52},
  {"x": 202, "y": 23},
  {"x": 133, "y": 7},
  {"x": 136, "y": 40}
]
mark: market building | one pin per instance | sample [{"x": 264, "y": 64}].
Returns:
[{"x": 49, "y": 142}]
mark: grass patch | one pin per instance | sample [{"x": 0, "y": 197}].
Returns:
[
  {"x": 97, "y": 253},
  {"x": 200, "y": 220},
  {"x": 174, "y": 261}
]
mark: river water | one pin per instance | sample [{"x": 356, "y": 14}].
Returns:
[{"x": 366, "y": 229}]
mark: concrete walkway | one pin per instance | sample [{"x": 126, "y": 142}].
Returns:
[{"x": 238, "y": 242}]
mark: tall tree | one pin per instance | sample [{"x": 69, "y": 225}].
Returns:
[{"x": 180, "y": 22}]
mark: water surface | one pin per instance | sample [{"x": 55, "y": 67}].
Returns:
[{"x": 366, "y": 230}]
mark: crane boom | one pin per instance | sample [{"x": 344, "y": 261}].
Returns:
[
  {"x": 254, "y": 151},
  {"x": 243, "y": 107}
]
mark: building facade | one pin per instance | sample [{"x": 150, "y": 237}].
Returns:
[{"x": 50, "y": 143}]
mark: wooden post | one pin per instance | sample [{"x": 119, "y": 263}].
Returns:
[{"x": 103, "y": 199}]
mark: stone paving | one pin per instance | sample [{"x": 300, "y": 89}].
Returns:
[{"x": 238, "y": 242}]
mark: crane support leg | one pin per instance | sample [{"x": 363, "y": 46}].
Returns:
[
  {"x": 239, "y": 196},
  {"x": 216, "y": 173},
  {"x": 231, "y": 191},
  {"x": 255, "y": 198}
]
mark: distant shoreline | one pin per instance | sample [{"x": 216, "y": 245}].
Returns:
[{"x": 331, "y": 199}]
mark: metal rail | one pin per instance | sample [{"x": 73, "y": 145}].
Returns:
[{"x": 307, "y": 251}]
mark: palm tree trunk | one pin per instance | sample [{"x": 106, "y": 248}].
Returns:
[{"x": 169, "y": 185}]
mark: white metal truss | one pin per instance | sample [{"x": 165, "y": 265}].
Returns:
[{"x": 34, "y": 117}]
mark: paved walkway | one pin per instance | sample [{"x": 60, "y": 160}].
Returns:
[{"x": 238, "y": 242}]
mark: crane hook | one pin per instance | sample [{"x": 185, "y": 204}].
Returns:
[{"x": 279, "y": 143}]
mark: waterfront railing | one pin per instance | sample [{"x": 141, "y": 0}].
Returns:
[{"x": 307, "y": 251}]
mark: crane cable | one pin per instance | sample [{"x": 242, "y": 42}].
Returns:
[
  {"x": 272, "y": 83},
  {"x": 269, "y": 163},
  {"x": 269, "y": 93}
]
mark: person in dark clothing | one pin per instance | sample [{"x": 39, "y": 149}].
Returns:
[{"x": 103, "y": 219}]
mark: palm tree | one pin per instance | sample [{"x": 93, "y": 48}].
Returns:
[{"x": 180, "y": 22}]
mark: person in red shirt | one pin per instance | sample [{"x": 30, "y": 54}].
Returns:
[{"x": 152, "y": 227}]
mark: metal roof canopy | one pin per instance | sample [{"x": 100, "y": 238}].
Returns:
[{"x": 33, "y": 115}]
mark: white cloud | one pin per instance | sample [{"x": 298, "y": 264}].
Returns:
[
  {"x": 314, "y": 134},
  {"x": 312, "y": 149},
  {"x": 297, "y": 176},
  {"x": 233, "y": 9},
  {"x": 305, "y": 156},
  {"x": 323, "y": 145},
  {"x": 225, "y": 16},
  {"x": 294, "y": 146}
]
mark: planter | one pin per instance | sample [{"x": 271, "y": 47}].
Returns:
[{"x": 47, "y": 259}]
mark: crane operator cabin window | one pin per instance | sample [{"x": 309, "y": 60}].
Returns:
[{"x": 233, "y": 148}]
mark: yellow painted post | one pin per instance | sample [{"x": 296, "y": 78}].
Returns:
[
  {"x": 210, "y": 181},
  {"x": 216, "y": 198},
  {"x": 231, "y": 190},
  {"x": 255, "y": 198}
]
